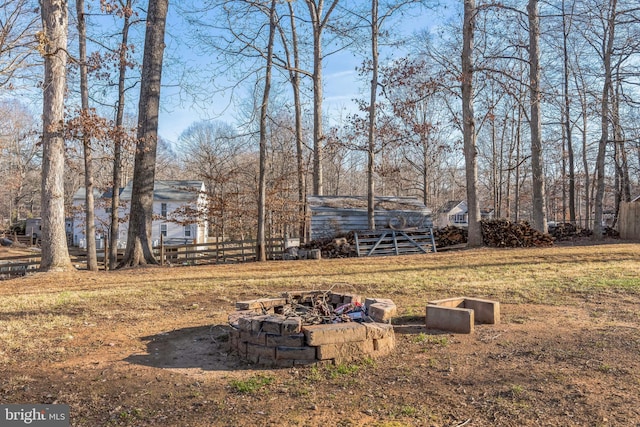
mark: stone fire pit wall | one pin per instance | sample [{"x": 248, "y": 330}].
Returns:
[{"x": 262, "y": 335}]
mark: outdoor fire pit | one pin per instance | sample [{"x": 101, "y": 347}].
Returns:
[{"x": 311, "y": 327}]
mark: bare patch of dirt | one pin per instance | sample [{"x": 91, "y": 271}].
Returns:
[{"x": 138, "y": 363}]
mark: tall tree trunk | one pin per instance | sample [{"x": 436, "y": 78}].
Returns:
[
  {"x": 622, "y": 184},
  {"x": 262, "y": 180},
  {"x": 604, "y": 121},
  {"x": 295, "y": 83},
  {"x": 469, "y": 125},
  {"x": 567, "y": 117},
  {"x": 55, "y": 254},
  {"x": 117, "y": 150},
  {"x": 621, "y": 159},
  {"x": 90, "y": 226},
  {"x": 371, "y": 145},
  {"x": 516, "y": 197},
  {"x": 537, "y": 168},
  {"x": 139, "y": 249}
]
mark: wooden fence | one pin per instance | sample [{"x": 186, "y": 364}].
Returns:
[
  {"x": 629, "y": 221},
  {"x": 188, "y": 254},
  {"x": 217, "y": 253}
]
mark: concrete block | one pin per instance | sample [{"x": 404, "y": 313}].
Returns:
[
  {"x": 261, "y": 352},
  {"x": 384, "y": 346},
  {"x": 376, "y": 331},
  {"x": 334, "y": 333},
  {"x": 451, "y": 319},
  {"x": 238, "y": 318},
  {"x": 284, "y": 340},
  {"x": 314, "y": 254},
  {"x": 241, "y": 349},
  {"x": 234, "y": 338},
  {"x": 272, "y": 324},
  {"x": 250, "y": 337},
  {"x": 291, "y": 326},
  {"x": 380, "y": 309},
  {"x": 295, "y": 353},
  {"x": 346, "y": 351},
  {"x": 256, "y": 323},
  {"x": 485, "y": 311},
  {"x": 262, "y": 303}
]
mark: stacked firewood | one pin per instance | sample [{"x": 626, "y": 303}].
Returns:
[
  {"x": 502, "y": 233},
  {"x": 342, "y": 246},
  {"x": 568, "y": 231},
  {"x": 450, "y": 236}
]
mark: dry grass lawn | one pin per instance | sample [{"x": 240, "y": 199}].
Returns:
[{"x": 147, "y": 346}]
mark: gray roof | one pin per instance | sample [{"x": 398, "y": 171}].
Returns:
[
  {"x": 170, "y": 190},
  {"x": 97, "y": 194},
  {"x": 447, "y": 207},
  {"x": 387, "y": 203}
]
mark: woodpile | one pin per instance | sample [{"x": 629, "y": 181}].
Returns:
[
  {"x": 568, "y": 231},
  {"x": 498, "y": 233},
  {"x": 343, "y": 246},
  {"x": 610, "y": 232},
  {"x": 450, "y": 236},
  {"x": 502, "y": 233}
]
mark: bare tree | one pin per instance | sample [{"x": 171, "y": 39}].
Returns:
[
  {"x": 537, "y": 167},
  {"x": 18, "y": 35},
  {"x": 90, "y": 225},
  {"x": 319, "y": 21},
  {"x": 608, "y": 44},
  {"x": 20, "y": 166},
  {"x": 264, "y": 106},
  {"x": 139, "y": 250},
  {"x": 567, "y": 22},
  {"x": 55, "y": 255},
  {"x": 468, "y": 124},
  {"x": 127, "y": 13}
]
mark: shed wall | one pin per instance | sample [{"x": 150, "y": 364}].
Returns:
[
  {"x": 327, "y": 222},
  {"x": 629, "y": 221}
]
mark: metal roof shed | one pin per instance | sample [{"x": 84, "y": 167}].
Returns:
[{"x": 334, "y": 215}]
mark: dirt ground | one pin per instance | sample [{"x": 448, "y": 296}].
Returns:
[{"x": 574, "y": 364}]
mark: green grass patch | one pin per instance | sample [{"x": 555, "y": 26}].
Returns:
[{"x": 250, "y": 385}]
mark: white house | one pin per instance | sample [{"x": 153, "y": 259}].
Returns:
[
  {"x": 179, "y": 213},
  {"x": 456, "y": 213}
]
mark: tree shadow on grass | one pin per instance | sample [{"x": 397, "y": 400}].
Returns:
[{"x": 202, "y": 347}]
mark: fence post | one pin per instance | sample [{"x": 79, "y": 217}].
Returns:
[
  {"x": 161, "y": 249},
  {"x": 105, "y": 260}
]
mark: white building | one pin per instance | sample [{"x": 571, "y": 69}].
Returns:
[
  {"x": 456, "y": 213},
  {"x": 179, "y": 214}
]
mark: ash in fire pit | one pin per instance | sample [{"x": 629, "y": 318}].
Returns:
[{"x": 306, "y": 328}]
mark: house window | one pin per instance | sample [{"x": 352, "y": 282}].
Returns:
[
  {"x": 163, "y": 210},
  {"x": 187, "y": 231},
  {"x": 459, "y": 218},
  {"x": 163, "y": 230}
]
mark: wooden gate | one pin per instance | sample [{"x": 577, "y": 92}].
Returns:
[{"x": 394, "y": 242}]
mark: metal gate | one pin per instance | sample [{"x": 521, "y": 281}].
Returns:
[{"x": 394, "y": 242}]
